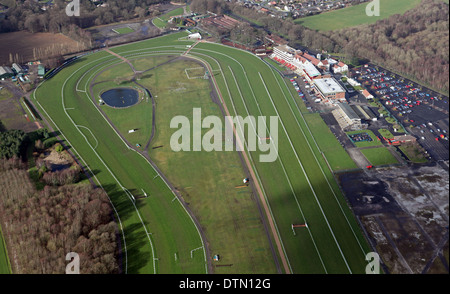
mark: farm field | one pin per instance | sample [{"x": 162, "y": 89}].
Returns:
[
  {"x": 355, "y": 15},
  {"x": 24, "y": 46},
  {"x": 296, "y": 188}
]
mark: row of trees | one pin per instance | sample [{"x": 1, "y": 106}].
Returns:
[
  {"x": 41, "y": 227},
  {"x": 28, "y": 15},
  {"x": 414, "y": 44}
]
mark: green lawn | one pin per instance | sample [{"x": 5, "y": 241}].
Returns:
[
  {"x": 336, "y": 155},
  {"x": 414, "y": 152},
  {"x": 5, "y": 94},
  {"x": 162, "y": 20},
  {"x": 124, "y": 30},
  {"x": 5, "y": 267},
  {"x": 227, "y": 213},
  {"x": 379, "y": 156},
  {"x": 177, "y": 95},
  {"x": 355, "y": 15},
  {"x": 386, "y": 133},
  {"x": 158, "y": 22}
]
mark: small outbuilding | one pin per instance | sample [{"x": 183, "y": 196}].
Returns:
[
  {"x": 5, "y": 72},
  {"x": 195, "y": 36}
]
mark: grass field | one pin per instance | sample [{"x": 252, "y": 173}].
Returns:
[
  {"x": 379, "y": 156},
  {"x": 386, "y": 133},
  {"x": 336, "y": 155},
  {"x": 355, "y": 15},
  {"x": 5, "y": 94},
  {"x": 162, "y": 20},
  {"x": 177, "y": 94},
  {"x": 5, "y": 267},
  {"x": 298, "y": 186},
  {"x": 229, "y": 215},
  {"x": 124, "y": 30},
  {"x": 157, "y": 232}
]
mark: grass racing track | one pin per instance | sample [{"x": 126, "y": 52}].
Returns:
[
  {"x": 158, "y": 235},
  {"x": 298, "y": 187}
]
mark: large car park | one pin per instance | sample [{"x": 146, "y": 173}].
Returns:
[{"x": 423, "y": 112}]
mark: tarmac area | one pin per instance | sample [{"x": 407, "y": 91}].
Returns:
[
  {"x": 423, "y": 112},
  {"x": 404, "y": 212}
]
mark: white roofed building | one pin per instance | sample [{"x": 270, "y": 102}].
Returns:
[{"x": 330, "y": 89}]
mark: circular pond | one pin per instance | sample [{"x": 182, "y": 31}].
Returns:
[{"x": 120, "y": 97}]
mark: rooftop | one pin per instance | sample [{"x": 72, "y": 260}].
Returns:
[
  {"x": 310, "y": 69},
  {"x": 5, "y": 70},
  {"x": 328, "y": 86},
  {"x": 349, "y": 112}
]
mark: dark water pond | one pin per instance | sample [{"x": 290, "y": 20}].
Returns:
[{"x": 120, "y": 97}]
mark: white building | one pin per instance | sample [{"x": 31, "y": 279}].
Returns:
[
  {"x": 330, "y": 89},
  {"x": 340, "y": 67},
  {"x": 305, "y": 67},
  {"x": 284, "y": 52},
  {"x": 195, "y": 36}
]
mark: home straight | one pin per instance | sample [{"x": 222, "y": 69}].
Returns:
[{"x": 261, "y": 136}]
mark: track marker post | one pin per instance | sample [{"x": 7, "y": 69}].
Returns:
[{"x": 293, "y": 226}]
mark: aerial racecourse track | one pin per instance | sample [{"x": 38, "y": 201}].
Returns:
[{"x": 307, "y": 224}]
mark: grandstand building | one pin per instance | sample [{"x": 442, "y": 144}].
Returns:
[
  {"x": 347, "y": 119},
  {"x": 306, "y": 68},
  {"x": 284, "y": 52}
]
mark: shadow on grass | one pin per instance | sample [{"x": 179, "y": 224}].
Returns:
[{"x": 134, "y": 259}]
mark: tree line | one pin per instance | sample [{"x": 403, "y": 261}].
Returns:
[
  {"x": 28, "y": 15},
  {"x": 41, "y": 227},
  {"x": 414, "y": 44}
]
